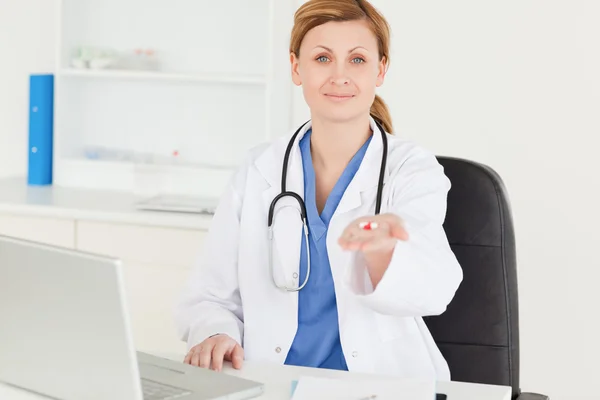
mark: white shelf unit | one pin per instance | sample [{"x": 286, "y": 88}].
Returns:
[
  {"x": 221, "y": 85},
  {"x": 165, "y": 76}
]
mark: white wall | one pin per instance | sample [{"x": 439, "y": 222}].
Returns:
[
  {"x": 516, "y": 85},
  {"x": 27, "y": 37}
]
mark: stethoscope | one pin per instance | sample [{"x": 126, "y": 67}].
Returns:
[{"x": 285, "y": 193}]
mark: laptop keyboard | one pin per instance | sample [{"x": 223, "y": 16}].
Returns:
[{"x": 159, "y": 391}]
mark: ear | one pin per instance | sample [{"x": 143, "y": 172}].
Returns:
[
  {"x": 381, "y": 71},
  {"x": 295, "y": 69}
]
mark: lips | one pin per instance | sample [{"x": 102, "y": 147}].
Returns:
[{"x": 339, "y": 97}]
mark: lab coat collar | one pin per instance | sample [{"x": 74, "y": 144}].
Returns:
[{"x": 270, "y": 166}]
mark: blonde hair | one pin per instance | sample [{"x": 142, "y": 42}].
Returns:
[{"x": 318, "y": 12}]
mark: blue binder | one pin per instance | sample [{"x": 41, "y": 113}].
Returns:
[{"x": 41, "y": 127}]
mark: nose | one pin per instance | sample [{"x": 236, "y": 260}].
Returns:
[{"x": 339, "y": 75}]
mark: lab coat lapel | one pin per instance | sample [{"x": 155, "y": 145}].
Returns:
[
  {"x": 358, "y": 201},
  {"x": 364, "y": 183}
]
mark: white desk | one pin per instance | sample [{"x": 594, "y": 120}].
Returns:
[
  {"x": 278, "y": 380},
  {"x": 18, "y": 198}
]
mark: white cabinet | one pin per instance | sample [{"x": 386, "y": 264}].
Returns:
[
  {"x": 156, "y": 265},
  {"x": 54, "y": 231},
  {"x": 152, "y": 292},
  {"x": 141, "y": 244}
]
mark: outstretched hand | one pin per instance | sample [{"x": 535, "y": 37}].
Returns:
[
  {"x": 378, "y": 233},
  {"x": 375, "y": 237}
]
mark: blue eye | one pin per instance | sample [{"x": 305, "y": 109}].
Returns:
[
  {"x": 360, "y": 60},
  {"x": 322, "y": 59}
]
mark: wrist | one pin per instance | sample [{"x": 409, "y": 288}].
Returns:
[{"x": 377, "y": 263}]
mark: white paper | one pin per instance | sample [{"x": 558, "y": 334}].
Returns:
[{"x": 311, "y": 388}]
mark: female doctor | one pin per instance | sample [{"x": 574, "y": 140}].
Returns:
[{"x": 327, "y": 247}]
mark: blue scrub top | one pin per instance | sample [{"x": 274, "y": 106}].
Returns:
[{"x": 317, "y": 342}]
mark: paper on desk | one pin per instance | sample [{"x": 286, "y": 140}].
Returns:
[{"x": 362, "y": 389}]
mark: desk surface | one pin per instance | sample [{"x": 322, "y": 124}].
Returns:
[
  {"x": 278, "y": 380},
  {"x": 16, "y": 197}
]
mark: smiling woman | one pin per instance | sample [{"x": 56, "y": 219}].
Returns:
[
  {"x": 363, "y": 64},
  {"x": 346, "y": 285}
]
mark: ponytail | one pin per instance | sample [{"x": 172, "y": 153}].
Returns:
[{"x": 381, "y": 114}]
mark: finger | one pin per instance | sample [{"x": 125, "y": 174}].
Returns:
[
  {"x": 195, "y": 358},
  {"x": 392, "y": 224},
  {"x": 379, "y": 244},
  {"x": 204, "y": 354},
  {"x": 218, "y": 354},
  {"x": 237, "y": 356},
  {"x": 356, "y": 237},
  {"x": 352, "y": 244},
  {"x": 356, "y": 233},
  {"x": 378, "y": 239},
  {"x": 354, "y": 228},
  {"x": 399, "y": 232},
  {"x": 188, "y": 357},
  {"x": 396, "y": 226}
]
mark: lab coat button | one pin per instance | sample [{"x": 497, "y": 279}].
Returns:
[
  {"x": 295, "y": 275},
  {"x": 355, "y": 354},
  {"x": 278, "y": 350}
]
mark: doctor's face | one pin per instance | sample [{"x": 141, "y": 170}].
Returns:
[{"x": 339, "y": 70}]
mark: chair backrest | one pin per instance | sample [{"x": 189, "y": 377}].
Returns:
[{"x": 479, "y": 332}]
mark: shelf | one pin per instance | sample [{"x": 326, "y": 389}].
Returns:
[
  {"x": 177, "y": 101},
  {"x": 53, "y": 201},
  {"x": 149, "y": 166},
  {"x": 164, "y": 76},
  {"x": 143, "y": 179}
]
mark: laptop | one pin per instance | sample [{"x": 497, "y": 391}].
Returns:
[{"x": 65, "y": 333}]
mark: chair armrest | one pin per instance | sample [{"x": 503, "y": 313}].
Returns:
[{"x": 532, "y": 396}]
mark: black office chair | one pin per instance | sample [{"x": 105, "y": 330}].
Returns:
[{"x": 479, "y": 332}]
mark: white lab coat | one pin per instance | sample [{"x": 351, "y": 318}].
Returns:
[{"x": 231, "y": 291}]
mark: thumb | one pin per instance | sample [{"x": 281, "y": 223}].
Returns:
[
  {"x": 398, "y": 231},
  {"x": 237, "y": 356}
]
